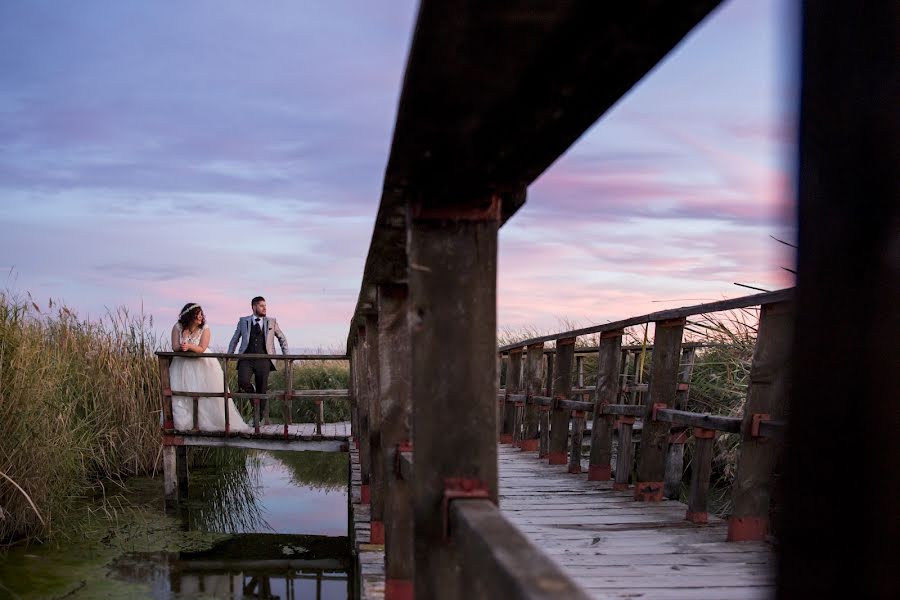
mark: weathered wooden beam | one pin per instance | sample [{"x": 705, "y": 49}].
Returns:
[
  {"x": 651, "y": 469},
  {"x": 452, "y": 280},
  {"x": 373, "y": 439},
  {"x": 625, "y": 455},
  {"x": 513, "y": 384},
  {"x": 279, "y": 357},
  {"x": 365, "y": 452},
  {"x": 664, "y": 315},
  {"x": 701, "y": 467},
  {"x": 499, "y": 561},
  {"x": 608, "y": 358},
  {"x": 562, "y": 388},
  {"x": 767, "y": 398},
  {"x": 706, "y": 421},
  {"x": 544, "y": 414},
  {"x": 396, "y": 415},
  {"x": 675, "y": 456},
  {"x": 534, "y": 378}
]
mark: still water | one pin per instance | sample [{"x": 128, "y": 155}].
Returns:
[{"x": 256, "y": 525}]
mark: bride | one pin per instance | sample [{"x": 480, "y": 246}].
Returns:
[{"x": 191, "y": 334}]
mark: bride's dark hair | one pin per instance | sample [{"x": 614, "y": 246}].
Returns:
[{"x": 187, "y": 314}]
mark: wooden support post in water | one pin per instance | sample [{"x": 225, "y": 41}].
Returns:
[
  {"x": 767, "y": 398},
  {"x": 648, "y": 486},
  {"x": 675, "y": 456},
  {"x": 701, "y": 467},
  {"x": 609, "y": 356},
  {"x": 181, "y": 471},
  {"x": 513, "y": 372},
  {"x": 373, "y": 439},
  {"x": 534, "y": 378},
  {"x": 396, "y": 412},
  {"x": 562, "y": 387},
  {"x": 452, "y": 285},
  {"x": 544, "y": 415}
]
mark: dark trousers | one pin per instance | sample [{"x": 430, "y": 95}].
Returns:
[{"x": 260, "y": 369}]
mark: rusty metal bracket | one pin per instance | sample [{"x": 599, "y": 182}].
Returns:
[
  {"x": 456, "y": 488},
  {"x": 657, "y": 406},
  {"x": 755, "y": 422},
  {"x": 704, "y": 434},
  {"x": 625, "y": 420}
]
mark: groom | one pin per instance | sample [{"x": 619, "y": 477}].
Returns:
[{"x": 256, "y": 334}]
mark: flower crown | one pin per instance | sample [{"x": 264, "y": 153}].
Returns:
[{"x": 188, "y": 309}]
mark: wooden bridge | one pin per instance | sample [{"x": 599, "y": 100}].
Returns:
[
  {"x": 493, "y": 94},
  {"x": 317, "y": 436}
]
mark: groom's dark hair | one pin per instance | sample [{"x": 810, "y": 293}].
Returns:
[{"x": 257, "y": 300}]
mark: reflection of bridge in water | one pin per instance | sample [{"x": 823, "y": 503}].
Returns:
[{"x": 256, "y": 566}]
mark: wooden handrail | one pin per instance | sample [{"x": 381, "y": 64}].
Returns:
[
  {"x": 254, "y": 356},
  {"x": 663, "y": 315}
]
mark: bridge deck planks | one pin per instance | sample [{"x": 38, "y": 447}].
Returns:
[{"x": 617, "y": 548}]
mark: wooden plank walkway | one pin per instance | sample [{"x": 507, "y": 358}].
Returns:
[
  {"x": 614, "y": 547},
  {"x": 335, "y": 437}
]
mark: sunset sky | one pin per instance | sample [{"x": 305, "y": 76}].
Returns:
[{"x": 155, "y": 153}]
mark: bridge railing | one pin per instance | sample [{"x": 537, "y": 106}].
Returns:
[
  {"x": 548, "y": 414},
  {"x": 287, "y": 395}
]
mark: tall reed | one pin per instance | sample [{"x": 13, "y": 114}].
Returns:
[{"x": 78, "y": 406}]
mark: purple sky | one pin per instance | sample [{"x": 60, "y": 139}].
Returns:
[{"x": 157, "y": 153}]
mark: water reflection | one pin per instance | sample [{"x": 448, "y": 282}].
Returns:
[
  {"x": 247, "y": 566},
  {"x": 287, "y": 512}
]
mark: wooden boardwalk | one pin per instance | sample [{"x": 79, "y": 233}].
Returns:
[
  {"x": 610, "y": 545},
  {"x": 614, "y": 547},
  {"x": 298, "y": 436}
]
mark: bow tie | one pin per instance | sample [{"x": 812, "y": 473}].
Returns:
[{"x": 257, "y": 319}]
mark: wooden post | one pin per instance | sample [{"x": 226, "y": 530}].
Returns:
[
  {"x": 562, "y": 388},
  {"x": 534, "y": 378},
  {"x": 701, "y": 467},
  {"x": 579, "y": 371},
  {"x": 170, "y": 476},
  {"x": 575, "y": 441},
  {"x": 181, "y": 471},
  {"x": 513, "y": 372},
  {"x": 165, "y": 391},
  {"x": 364, "y": 393},
  {"x": 609, "y": 357},
  {"x": 354, "y": 396},
  {"x": 502, "y": 363},
  {"x": 651, "y": 469},
  {"x": 226, "y": 397},
  {"x": 373, "y": 439},
  {"x": 767, "y": 398},
  {"x": 453, "y": 321},
  {"x": 544, "y": 415},
  {"x": 678, "y": 436},
  {"x": 625, "y": 455},
  {"x": 287, "y": 402},
  {"x": 396, "y": 413},
  {"x": 842, "y": 451}
]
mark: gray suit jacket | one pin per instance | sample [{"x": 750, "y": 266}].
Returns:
[{"x": 270, "y": 328}]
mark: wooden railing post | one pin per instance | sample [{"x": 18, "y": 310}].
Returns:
[
  {"x": 534, "y": 378},
  {"x": 661, "y": 394},
  {"x": 562, "y": 388},
  {"x": 502, "y": 363},
  {"x": 396, "y": 409},
  {"x": 767, "y": 398},
  {"x": 364, "y": 394},
  {"x": 373, "y": 439},
  {"x": 452, "y": 254},
  {"x": 544, "y": 415},
  {"x": 701, "y": 467},
  {"x": 513, "y": 379},
  {"x": 354, "y": 391},
  {"x": 625, "y": 454},
  {"x": 609, "y": 357},
  {"x": 678, "y": 436}
]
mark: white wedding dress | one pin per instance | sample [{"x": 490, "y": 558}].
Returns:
[{"x": 200, "y": 375}]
